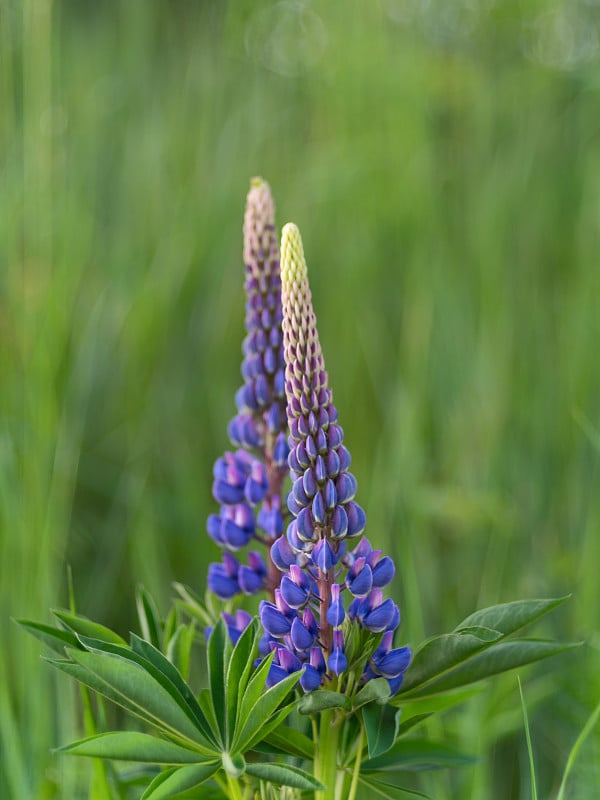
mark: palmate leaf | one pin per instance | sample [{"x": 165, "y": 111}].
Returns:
[
  {"x": 201, "y": 735},
  {"x": 409, "y": 755},
  {"x": 138, "y": 689},
  {"x": 132, "y": 746},
  {"x": 160, "y": 668}
]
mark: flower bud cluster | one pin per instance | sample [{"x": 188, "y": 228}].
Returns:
[
  {"x": 248, "y": 482},
  {"x": 308, "y": 624}
]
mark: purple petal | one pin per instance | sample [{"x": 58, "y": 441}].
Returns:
[
  {"x": 225, "y": 494},
  {"x": 294, "y": 596},
  {"x": 379, "y": 618},
  {"x": 338, "y": 662},
  {"x": 357, "y": 519},
  {"x": 383, "y": 572},
  {"x": 393, "y": 663},
  {"x": 273, "y": 621},
  {"x": 220, "y": 583},
  {"x": 311, "y": 679},
  {"x": 361, "y": 585},
  {"x": 301, "y": 637}
]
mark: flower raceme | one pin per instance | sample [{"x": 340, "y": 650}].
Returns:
[
  {"x": 308, "y": 626},
  {"x": 248, "y": 482}
]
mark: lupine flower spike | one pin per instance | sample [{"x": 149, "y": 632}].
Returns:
[
  {"x": 248, "y": 482},
  {"x": 308, "y": 625}
]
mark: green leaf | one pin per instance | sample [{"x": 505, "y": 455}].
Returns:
[
  {"x": 206, "y": 704},
  {"x": 131, "y": 746},
  {"x": 377, "y": 689},
  {"x": 171, "y": 678},
  {"x": 193, "y": 604},
  {"x": 284, "y": 775},
  {"x": 86, "y": 627},
  {"x": 238, "y": 672},
  {"x": 442, "y": 653},
  {"x": 501, "y": 657},
  {"x": 381, "y": 726},
  {"x": 388, "y": 791},
  {"x": 138, "y": 688},
  {"x": 409, "y": 755},
  {"x": 264, "y": 730},
  {"x": 265, "y": 706},
  {"x": 321, "y": 700},
  {"x": 174, "y": 781},
  {"x": 436, "y": 703},
  {"x": 148, "y": 616},
  {"x": 291, "y": 741},
  {"x": 254, "y": 689},
  {"x": 412, "y": 722},
  {"x": 101, "y": 687},
  {"x": 54, "y": 638},
  {"x": 160, "y": 668},
  {"x": 169, "y": 628},
  {"x": 510, "y": 617},
  {"x": 217, "y": 656},
  {"x": 179, "y": 648}
]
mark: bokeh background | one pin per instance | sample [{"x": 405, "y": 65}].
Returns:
[{"x": 442, "y": 159}]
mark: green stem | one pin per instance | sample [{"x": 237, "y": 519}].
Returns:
[
  {"x": 233, "y": 785},
  {"x": 327, "y": 744},
  {"x": 357, "y": 763}
]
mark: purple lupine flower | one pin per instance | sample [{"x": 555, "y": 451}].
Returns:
[
  {"x": 308, "y": 620},
  {"x": 248, "y": 482}
]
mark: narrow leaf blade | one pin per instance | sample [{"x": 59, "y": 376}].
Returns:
[
  {"x": 132, "y": 746},
  {"x": 175, "y": 781},
  {"x": 511, "y": 617},
  {"x": 86, "y": 627},
  {"x": 381, "y": 726},
  {"x": 503, "y": 656},
  {"x": 284, "y": 775},
  {"x": 410, "y": 755}
]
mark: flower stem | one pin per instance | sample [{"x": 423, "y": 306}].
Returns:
[
  {"x": 233, "y": 786},
  {"x": 357, "y": 763}
]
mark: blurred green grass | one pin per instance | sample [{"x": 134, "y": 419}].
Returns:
[{"x": 443, "y": 163}]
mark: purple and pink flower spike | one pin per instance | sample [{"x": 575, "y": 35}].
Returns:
[
  {"x": 248, "y": 483},
  {"x": 309, "y": 626}
]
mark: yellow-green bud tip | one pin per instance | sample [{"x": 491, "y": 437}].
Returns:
[
  {"x": 293, "y": 265},
  {"x": 256, "y": 182}
]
